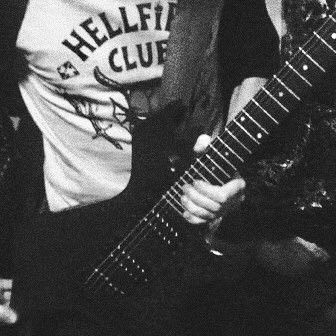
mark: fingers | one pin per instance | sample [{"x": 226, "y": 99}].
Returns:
[
  {"x": 6, "y": 284},
  {"x": 5, "y": 290},
  {"x": 200, "y": 197},
  {"x": 199, "y": 207},
  {"x": 221, "y": 194},
  {"x": 7, "y": 315},
  {"x": 194, "y": 213},
  {"x": 203, "y": 202}
]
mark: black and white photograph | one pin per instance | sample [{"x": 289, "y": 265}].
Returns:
[{"x": 168, "y": 168}]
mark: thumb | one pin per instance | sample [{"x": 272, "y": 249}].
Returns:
[{"x": 202, "y": 143}]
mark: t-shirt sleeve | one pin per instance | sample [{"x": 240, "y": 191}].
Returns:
[{"x": 248, "y": 42}]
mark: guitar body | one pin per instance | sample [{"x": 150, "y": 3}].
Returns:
[
  {"x": 57, "y": 253},
  {"x": 132, "y": 259}
]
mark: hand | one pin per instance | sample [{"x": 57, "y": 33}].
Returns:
[
  {"x": 204, "y": 202},
  {"x": 7, "y": 314}
]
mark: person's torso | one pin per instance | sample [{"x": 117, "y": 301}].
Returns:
[{"x": 93, "y": 68}]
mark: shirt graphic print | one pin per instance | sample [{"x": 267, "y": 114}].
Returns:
[{"x": 93, "y": 70}]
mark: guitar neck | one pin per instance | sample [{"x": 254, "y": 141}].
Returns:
[
  {"x": 265, "y": 112},
  {"x": 226, "y": 153},
  {"x": 249, "y": 129}
]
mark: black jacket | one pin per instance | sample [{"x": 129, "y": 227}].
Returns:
[
  {"x": 295, "y": 176},
  {"x": 21, "y": 184}
]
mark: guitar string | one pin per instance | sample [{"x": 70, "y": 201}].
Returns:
[
  {"x": 149, "y": 226},
  {"x": 242, "y": 113},
  {"x": 197, "y": 170},
  {"x": 166, "y": 197},
  {"x": 102, "y": 283}
]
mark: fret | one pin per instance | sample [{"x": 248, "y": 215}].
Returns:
[
  {"x": 254, "y": 121},
  {"x": 234, "y": 145},
  {"x": 187, "y": 178},
  {"x": 274, "y": 106},
  {"x": 247, "y": 132},
  {"x": 190, "y": 176},
  {"x": 328, "y": 30},
  {"x": 265, "y": 113},
  {"x": 228, "y": 165},
  {"x": 292, "y": 81},
  {"x": 312, "y": 60},
  {"x": 306, "y": 67},
  {"x": 328, "y": 46},
  {"x": 198, "y": 172},
  {"x": 286, "y": 87},
  {"x": 324, "y": 42},
  {"x": 180, "y": 212},
  {"x": 332, "y": 18},
  {"x": 254, "y": 128},
  {"x": 176, "y": 193},
  {"x": 172, "y": 188},
  {"x": 318, "y": 51},
  {"x": 298, "y": 73},
  {"x": 210, "y": 172},
  {"x": 230, "y": 149},
  {"x": 217, "y": 166},
  {"x": 238, "y": 141},
  {"x": 322, "y": 52},
  {"x": 172, "y": 197},
  {"x": 183, "y": 180},
  {"x": 328, "y": 24},
  {"x": 280, "y": 98}
]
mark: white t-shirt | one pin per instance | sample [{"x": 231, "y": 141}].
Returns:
[{"x": 90, "y": 65}]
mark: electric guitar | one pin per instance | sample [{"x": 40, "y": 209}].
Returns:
[
  {"x": 137, "y": 248},
  {"x": 226, "y": 153}
]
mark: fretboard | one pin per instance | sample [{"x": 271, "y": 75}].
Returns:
[
  {"x": 265, "y": 112},
  {"x": 227, "y": 152}
]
